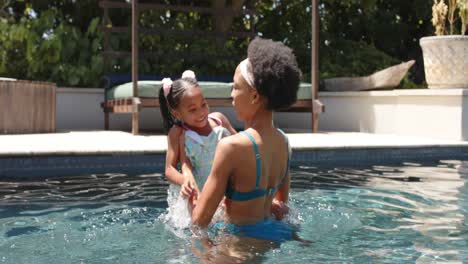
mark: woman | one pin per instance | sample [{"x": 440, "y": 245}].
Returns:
[{"x": 250, "y": 169}]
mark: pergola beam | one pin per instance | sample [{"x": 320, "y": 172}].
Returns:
[
  {"x": 315, "y": 66},
  {"x": 135, "y": 15}
]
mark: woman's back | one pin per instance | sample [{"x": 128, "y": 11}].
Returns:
[{"x": 247, "y": 203}]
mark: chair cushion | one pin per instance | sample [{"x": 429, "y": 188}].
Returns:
[
  {"x": 150, "y": 89},
  {"x": 304, "y": 92}
]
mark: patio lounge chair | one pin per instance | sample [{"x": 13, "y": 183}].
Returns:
[
  {"x": 119, "y": 94},
  {"x": 124, "y": 96}
]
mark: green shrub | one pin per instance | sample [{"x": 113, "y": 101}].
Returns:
[{"x": 47, "y": 48}]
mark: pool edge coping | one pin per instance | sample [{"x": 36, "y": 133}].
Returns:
[{"x": 163, "y": 151}]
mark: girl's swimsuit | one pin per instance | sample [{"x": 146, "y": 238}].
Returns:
[
  {"x": 201, "y": 149},
  {"x": 267, "y": 229}
]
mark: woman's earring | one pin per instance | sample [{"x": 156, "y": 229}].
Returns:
[{"x": 253, "y": 100}]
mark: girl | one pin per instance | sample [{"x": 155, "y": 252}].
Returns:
[{"x": 193, "y": 132}]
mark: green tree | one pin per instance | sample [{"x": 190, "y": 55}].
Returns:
[
  {"x": 40, "y": 41},
  {"x": 357, "y": 37},
  {"x": 60, "y": 40}
]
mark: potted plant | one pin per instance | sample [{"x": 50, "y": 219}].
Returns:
[{"x": 445, "y": 57}]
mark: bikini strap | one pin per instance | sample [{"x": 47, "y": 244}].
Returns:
[
  {"x": 257, "y": 158},
  {"x": 255, "y": 193}
]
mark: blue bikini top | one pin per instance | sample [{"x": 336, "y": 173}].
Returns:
[{"x": 256, "y": 192}]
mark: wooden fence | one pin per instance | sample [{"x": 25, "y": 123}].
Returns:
[{"x": 27, "y": 107}]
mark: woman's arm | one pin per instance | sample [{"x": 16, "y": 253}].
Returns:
[
  {"x": 282, "y": 195},
  {"x": 279, "y": 207},
  {"x": 172, "y": 156},
  {"x": 225, "y": 122},
  {"x": 203, "y": 209}
]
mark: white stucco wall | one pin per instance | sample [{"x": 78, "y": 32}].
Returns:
[
  {"x": 439, "y": 114},
  {"x": 431, "y": 113}
]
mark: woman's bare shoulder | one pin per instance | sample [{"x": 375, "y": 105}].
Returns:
[{"x": 235, "y": 142}]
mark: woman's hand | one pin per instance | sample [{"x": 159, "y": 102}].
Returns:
[{"x": 279, "y": 209}]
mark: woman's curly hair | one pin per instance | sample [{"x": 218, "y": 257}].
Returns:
[{"x": 276, "y": 73}]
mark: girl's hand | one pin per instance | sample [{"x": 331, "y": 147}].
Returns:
[
  {"x": 188, "y": 187},
  {"x": 192, "y": 201}
]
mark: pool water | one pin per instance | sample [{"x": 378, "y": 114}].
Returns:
[{"x": 393, "y": 213}]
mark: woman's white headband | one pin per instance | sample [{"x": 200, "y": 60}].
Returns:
[{"x": 246, "y": 72}]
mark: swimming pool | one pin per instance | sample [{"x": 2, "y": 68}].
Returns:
[{"x": 387, "y": 213}]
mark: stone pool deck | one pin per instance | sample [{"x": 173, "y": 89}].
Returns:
[{"x": 121, "y": 143}]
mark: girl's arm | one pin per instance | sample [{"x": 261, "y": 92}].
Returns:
[
  {"x": 172, "y": 156},
  {"x": 225, "y": 122},
  {"x": 203, "y": 209},
  {"x": 189, "y": 184}
]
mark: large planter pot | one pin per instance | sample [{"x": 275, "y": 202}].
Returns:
[
  {"x": 445, "y": 61},
  {"x": 27, "y": 107}
]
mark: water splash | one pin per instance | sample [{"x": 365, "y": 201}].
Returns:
[{"x": 176, "y": 217}]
